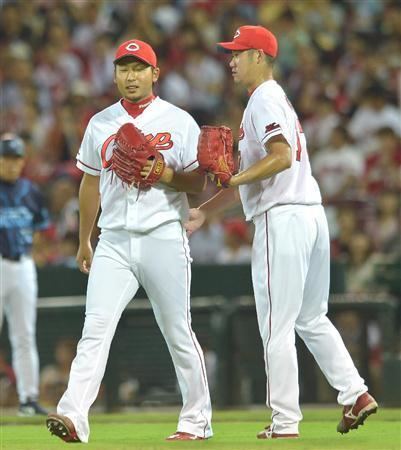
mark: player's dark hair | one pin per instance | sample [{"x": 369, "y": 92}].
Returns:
[{"x": 269, "y": 60}]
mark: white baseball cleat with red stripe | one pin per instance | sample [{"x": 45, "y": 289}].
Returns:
[
  {"x": 268, "y": 433},
  {"x": 182, "y": 436},
  {"x": 356, "y": 414}
]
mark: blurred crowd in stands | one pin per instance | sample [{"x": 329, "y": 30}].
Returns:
[{"x": 339, "y": 62}]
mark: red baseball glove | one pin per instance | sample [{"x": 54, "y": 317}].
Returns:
[
  {"x": 131, "y": 152},
  {"x": 215, "y": 153}
]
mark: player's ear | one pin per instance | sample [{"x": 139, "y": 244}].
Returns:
[
  {"x": 155, "y": 74},
  {"x": 260, "y": 56}
]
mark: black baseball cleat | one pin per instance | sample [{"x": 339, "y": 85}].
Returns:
[
  {"x": 31, "y": 408},
  {"x": 356, "y": 414},
  {"x": 62, "y": 427}
]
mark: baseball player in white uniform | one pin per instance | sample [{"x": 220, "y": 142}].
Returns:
[
  {"x": 290, "y": 256},
  {"x": 142, "y": 242}
]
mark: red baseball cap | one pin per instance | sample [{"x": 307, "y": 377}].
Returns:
[
  {"x": 138, "y": 49},
  {"x": 252, "y": 37}
]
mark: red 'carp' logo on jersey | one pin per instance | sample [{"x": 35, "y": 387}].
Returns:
[
  {"x": 160, "y": 141},
  {"x": 241, "y": 133},
  {"x": 272, "y": 127}
]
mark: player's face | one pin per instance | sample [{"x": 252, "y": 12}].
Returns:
[
  {"x": 135, "y": 79},
  {"x": 11, "y": 168},
  {"x": 242, "y": 66}
]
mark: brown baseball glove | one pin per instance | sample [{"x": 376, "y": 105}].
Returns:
[
  {"x": 131, "y": 152},
  {"x": 215, "y": 153}
]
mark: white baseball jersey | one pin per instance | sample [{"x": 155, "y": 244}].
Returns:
[
  {"x": 173, "y": 132},
  {"x": 269, "y": 113},
  {"x": 143, "y": 243},
  {"x": 333, "y": 167},
  {"x": 290, "y": 262}
]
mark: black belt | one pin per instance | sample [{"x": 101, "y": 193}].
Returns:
[{"x": 12, "y": 258}]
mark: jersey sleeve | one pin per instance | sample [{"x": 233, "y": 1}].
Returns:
[
  {"x": 88, "y": 157},
  {"x": 269, "y": 120},
  {"x": 190, "y": 146}
]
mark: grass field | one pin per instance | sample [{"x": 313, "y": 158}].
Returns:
[{"x": 233, "y": 430}]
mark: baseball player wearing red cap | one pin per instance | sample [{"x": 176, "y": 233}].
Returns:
[
  {"x": 142, "y": 242},
  {"x": 290, "y": 255}
]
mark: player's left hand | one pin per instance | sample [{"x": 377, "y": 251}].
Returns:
[
  {"x": 147, "y": 168},
  {"x": 195, "y": 220},
  {"x": 165, "y": 177}
]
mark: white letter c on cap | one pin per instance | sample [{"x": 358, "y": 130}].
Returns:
[
  {"x": 237, "y": 33},
  {"x": 132, "y": 47}
]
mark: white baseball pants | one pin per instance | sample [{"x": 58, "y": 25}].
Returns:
[
  {"x": 18, "y": 299},
  {"x": 160, "y": 262},
  {"x": 290, "y": 274}
]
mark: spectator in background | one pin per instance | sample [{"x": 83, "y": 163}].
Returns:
[
  {"x": 347, "y": 226},
  {"x": 319, "y": 127},
  {"x": 207, "y": 243},
  {"x": 206, "y": 80},
  {"x": 100, "y": 66},
  {"x": 339, "y": 167},
  {"x": 373, "y": 113},
  {"x": 237, "y": 243},
  {"x": 68, "y": 218},
  {"x": 54, "y": 377},
  {"x": 63, "y": 137},
  {"x": 384, "y": 230},
  {"x": 45, "y": 251},
  {"x": 175, "y": 87},
  {"x": 67, "y": 251},
  {"x": 350, "y": 325},
  {"x": 17, "y": 75},
  {"x": 383, "y": 166},
  {"x": 361, "y": 261},
  {"x": 63, "y": 204}
]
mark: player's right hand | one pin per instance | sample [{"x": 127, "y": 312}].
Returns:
[
  {"x": 195, "y": 220},
  {"x": 84, "y": 257}
]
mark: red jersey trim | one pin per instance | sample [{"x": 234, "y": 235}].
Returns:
[
  {"x": 88, "y": 166},
  {"x": 270, "y": 307}
]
